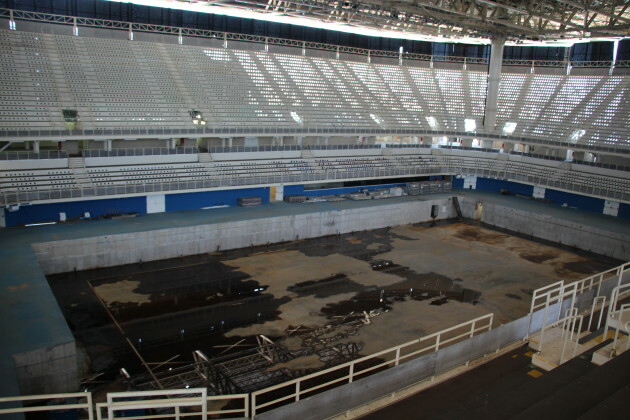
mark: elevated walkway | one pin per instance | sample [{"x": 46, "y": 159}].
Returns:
[{"x": 508, "y": 387}]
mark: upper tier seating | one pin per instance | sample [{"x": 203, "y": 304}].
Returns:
[{"x": 115, "y": 84}]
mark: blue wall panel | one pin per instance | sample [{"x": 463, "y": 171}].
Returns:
[
  {"x": 458, "y": 182},
  {"x": 573, "y": 200},
  {"x": 293, "y": 189},
  {"x": 496, "y": 185},
  {"x": 191, "y": 201},
  {"x": 624, "y": 211},
  {"x": 74, "y": 209},
  {"x": 556, "y": 197}
]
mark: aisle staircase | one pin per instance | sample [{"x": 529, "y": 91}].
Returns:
[
  {"x": 576, "y": 334},
  {"x": 77, "y": 165},
  {"x": 206, "y": 160},
  {"x": 308, "y": 156}
]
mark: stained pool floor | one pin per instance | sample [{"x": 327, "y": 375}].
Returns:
[{"x": 417, "y": 279}]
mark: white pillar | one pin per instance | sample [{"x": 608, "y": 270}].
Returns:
[
  {"x": 36, "y": 146},
  {"x": 494, "y": 77},
  {"x": 467, "y": 142}
]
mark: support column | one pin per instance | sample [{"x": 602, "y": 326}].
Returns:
[
  {"x": 507, "y": 147},
  {"x": 108, "y": 145},
  {"x": 494, "y": 77},
  {"x": 36, "y": 146}
]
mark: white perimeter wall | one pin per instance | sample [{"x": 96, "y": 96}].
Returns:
[{"x": 112, "y": 250}]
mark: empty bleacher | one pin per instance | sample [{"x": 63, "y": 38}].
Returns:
[
  {"x": 115, "y": 84},
  {"x": 107, "y": 175},
  {"x": 37, "y": 179}
]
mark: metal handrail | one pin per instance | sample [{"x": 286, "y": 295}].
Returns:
[{"x": 393, "y": 356}]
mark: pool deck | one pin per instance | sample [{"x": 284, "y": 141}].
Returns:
[{"x": 32, "y": 320}]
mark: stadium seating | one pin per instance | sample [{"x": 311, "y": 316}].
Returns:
[
  {"x": 109, "y": 177},
  {"x": 115, "y": 84}
]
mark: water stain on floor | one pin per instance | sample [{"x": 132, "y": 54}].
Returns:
[
  {"x": 538, "y": 258},
  {"x": 471, "y": 233},
  {"x": 205, "y": 301}
]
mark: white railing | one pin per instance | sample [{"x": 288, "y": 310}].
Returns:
[
  {"x": 348, "y": 372},
  {"x": 554, "y": 290},
  {"x": 570, "y": 326},
  {"x": 556, "y": 293},
  {"x": 617, "y": 315},
  {"x": 195, "y": 401},
  {"x": 598, "y": 186},
  {"x": 170, "y": 404},
  {"x": 42, "y": 403}
]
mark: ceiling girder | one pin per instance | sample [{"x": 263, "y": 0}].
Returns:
[{"x": 515, "y": 19}]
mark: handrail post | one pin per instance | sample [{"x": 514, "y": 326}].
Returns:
[{"x": 90, "y": 408}]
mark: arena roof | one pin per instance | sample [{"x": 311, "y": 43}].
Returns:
[{"x": 454, "y": 20}]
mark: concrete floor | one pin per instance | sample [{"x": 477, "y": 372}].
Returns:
[{"x": 256, "y": 289}]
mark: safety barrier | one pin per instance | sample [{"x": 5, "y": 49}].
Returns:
[
  {"x": 546, "y": 297},
  {"x": 551, "y": 293},
  {"x": 141, "y": 151},
  {"x": 49, "y": 403},
  {"x": 196, "y": 402},
  {"x": 348, "y": 372},
  {"x": 26, "y": 155}
]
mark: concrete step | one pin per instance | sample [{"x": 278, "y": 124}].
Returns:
[
  {"x": 205, "y": 158},
  {"x": 612, "y": 349},
  {"x": 556, "y": 348}
]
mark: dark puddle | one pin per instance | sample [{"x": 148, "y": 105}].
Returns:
[
  {"x": 194, "y": 301},
  {"x": 538, "y": 258},
  {"x": 470, "y": 233},
  {"x": 582, "y": 267},
  {"x": 415, "y": 286},
  {"x": 329, "y": 286}
]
